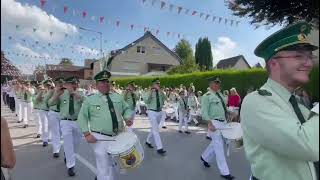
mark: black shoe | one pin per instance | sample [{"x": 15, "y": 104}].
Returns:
[
  {"x": 180, "y": 131},
  {"x": 25, "y": 126},
  {"x": 38, "y": 136},
  {"x": 161, "y": 151},
  {"x": 149, "y": 145},
  {"x": 197, "y": 124},
  {"x": 16, "y": 114},
  {"x": 71, "y": 171},
  {"x": 205, "y": 163},
  {"x": 96, "y": 178},
  {"x": 228, "y": 177},
  {"x": 208, "y": 138},
  {"x": 19, "y": 121},
  {"x": 44, "y": 144},
  {"x": 164, "y": 127},
  {"x": 55, "y": 155},
  {"x": 187, "y": 132}
]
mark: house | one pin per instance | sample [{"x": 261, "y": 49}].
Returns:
[
  {"x": 146, "y": 54},
  {"x": 237, "y": 62},
  {"x": 82, "y": 72}
]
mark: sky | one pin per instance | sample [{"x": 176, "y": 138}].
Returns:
[{"x": 51, "y": 33}]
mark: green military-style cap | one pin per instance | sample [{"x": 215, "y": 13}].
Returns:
[
  {"x": 113, "y": 83},
  {"x": 48, "y": 82},
  {"x": 214, "y": 79},
  {"x": 59, "y": 79},
  {"x": 292, "y": 37},
  {"x": 131, "y": 83},
  {"x": 155, "y": 81},
  {"x": 102, "y": 75},
  {"x": 71, "y": 79}
]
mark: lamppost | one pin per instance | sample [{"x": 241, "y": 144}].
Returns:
[{"x": 100, "y": 33}]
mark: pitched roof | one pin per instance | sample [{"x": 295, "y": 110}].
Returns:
[
  {"x": 146, "y": 35},
  {"x": 7, "y": 68},
  {"x": 230, "y": 62}
]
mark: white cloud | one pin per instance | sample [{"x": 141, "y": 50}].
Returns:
[
  {"x": 28, "y": 17},
  {"x": 86, "y": 50},
  {"x": 224, "y": 48}
]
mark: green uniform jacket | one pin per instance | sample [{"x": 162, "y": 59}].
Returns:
[
  {"x": 193, "y": 102},
  {"x": 151, "y": 99},
  {"x": 95, "y": 114},
  {"x": 27, "y": 95},
  {"x": 64, "y": 105},
  {"x": 43, "y": 103},
  {"x": 211, "y": 106},
  {"x": 181, "y": 105},
  {"x": 53, "y": 107},
  {"x": 129, "y": 100},
  {"x": 276, "y": 144}
]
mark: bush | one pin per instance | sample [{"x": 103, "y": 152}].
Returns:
[{"x": 241, "y": 80}]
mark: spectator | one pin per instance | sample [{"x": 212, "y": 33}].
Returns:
[
  {"x": 234, "y": 99},
  {"x": 8, "y": 158}
]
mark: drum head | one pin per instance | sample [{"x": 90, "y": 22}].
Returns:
[
  {"x": 232, "y": 130},
  {"x": 122, "y": 143},
  {"x": 169, "y": 110}
]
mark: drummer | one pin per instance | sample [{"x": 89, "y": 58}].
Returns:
[
  {"x": 103, "y": 111},
  {"x": 183, "y": 112},
  {"x": 213, "y": 110}
]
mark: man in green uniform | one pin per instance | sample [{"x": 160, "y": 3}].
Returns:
[
  {"x": 36, "y": 112},
  {"x": 281, "y": 137},
  {"x": 131, "y": 98},
  {"x": 26, "y": 103},
  {"x": 155, "y": 99},
  {"x": 70, "y": 101},
  {"x": 213, "y": 110},
  {"x": 101, "y": 116}
]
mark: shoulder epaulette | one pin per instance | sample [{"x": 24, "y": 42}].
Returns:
[
  {"x": 208, "y": 94},
  {"x": 264, "y": 92}
]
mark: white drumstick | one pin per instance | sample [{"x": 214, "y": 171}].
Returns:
[
  {"x": 106, "y": 140},
  {"x": 225, "y": 128}
]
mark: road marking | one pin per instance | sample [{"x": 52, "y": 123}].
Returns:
[{"x": 86, "y": 163}]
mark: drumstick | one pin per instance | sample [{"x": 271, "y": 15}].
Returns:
[{"x": 224, "y": 128}]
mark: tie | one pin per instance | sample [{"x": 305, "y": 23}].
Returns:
[
  {"x": 185, "y": 105},
  {"x": 113, "y": 115},
  {"x": 25, "y": 96},
  {"x": 158, "y": 100},
  {"x": 71, "y": 107},
  {"x": 58, "y": 106},
  {"x": 223, "y": 104},
  {"x": 297, "y": 110},
  {"x": 133, "y": 100}
]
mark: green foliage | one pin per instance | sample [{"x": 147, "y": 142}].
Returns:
[
  {"x": 66, "y": 61},
  {"x": 241, "y": 80},
  {"x": 184, "y": 50},
  {"x": 189, "y": 66},
  {"x": 270, "y": 12},
  {"x": 203, "y": 54}
]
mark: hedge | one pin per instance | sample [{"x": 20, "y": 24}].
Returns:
[{"x": 242, "y": 80}]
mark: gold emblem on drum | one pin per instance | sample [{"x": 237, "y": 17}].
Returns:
[{"x": 130, "y": 159}]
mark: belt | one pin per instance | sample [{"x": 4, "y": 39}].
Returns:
[
  {"x": 43, "y": 109},
  {"x": 220, "y": 120},
  {"x": 68, "y": 119},
  {"x": 54, "y": 110},
  {"x": 155, "y": 110},
  {"x": 104, "y": 134},
  {"x": 254, "y": 178}
]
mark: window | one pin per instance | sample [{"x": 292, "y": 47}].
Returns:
[{"x": 141, "y": 49}]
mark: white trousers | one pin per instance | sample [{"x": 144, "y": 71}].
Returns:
[
  {"x": 54, "y": 129},
  {"x": 183, "y": 121},
  {"x": 26, "y": 112},
  {"x": 163, "y": 119},
  {"x": 216, "y": 148},
  {"x": 44, "y": 125},
  {"x": 20, "y": 112},
  {"x": 17, "y": 105},
  {"x": 155, "y": 118},
  {"x": 104, "y": 162},
  {"x": 71, "y": 139},
  {"x": 130, "y": 128},
  {"x": 193, "y": 117},
  {"x": 175, "y": 107},
  {"x": 37, "y": 119}
]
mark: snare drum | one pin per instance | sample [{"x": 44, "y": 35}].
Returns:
[
  {"x": 233, "y": 132},
  {"x": 126, "y": 151}
]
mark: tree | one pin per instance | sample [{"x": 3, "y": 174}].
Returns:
[
  {"x": 203, "y": 54},
  {"x": 184, "y": 50},
  {"x": 272, "y": 12},
  {"x": 66, "y": 62},
  {"x": 189, "y": 66}
]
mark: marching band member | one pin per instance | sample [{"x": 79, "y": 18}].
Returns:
[
  {"x": 173, "y": 99},
  {"x": 155, "y": 101},
  {"x": 70, "y": 101},
  {"x": 193, "y": 105},
  {"x": 36, "y": 110},
  {"x": 183, "y": 112},
  {"x": 131, "y": 98},
  {"x": 100, "y": 117},
  {"x": 26, "y": 105},
  {"x": 213, "y": 110}
]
